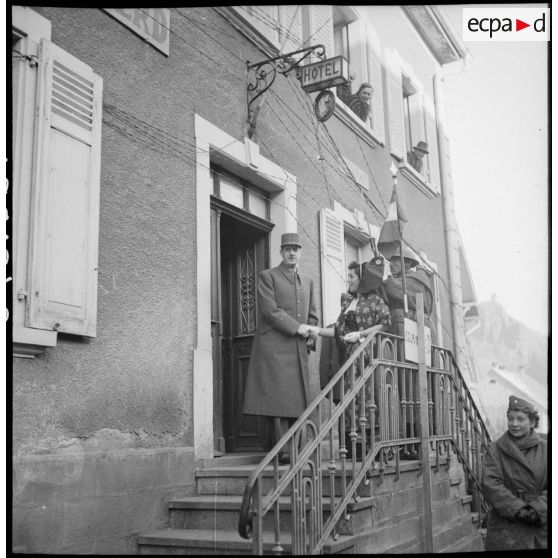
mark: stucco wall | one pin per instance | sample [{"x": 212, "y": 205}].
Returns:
[{"x": 130, "y": 388}]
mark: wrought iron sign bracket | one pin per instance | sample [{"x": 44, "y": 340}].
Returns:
[{"x": 262, "y": 75}]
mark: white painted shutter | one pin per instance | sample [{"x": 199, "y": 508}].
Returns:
[
  {"x": 394, "y": 96},
  {"x": 264, "y": 19},
  {"x": 376, "y": 79},
  {"x": 357, "y": 53},
  {"x": 332, "y": 262},
  {"x": 321, "y": 28},
  {"x": 416, "y": 114},
  {"x": 432, "y": 140},
  {"x": 291, "y": 28},
  {"x": 65, "y": 195}
]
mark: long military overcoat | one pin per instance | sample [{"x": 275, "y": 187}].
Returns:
[
  {"x": 510, "y": 481},
  {"x": 277, "y": 382}
]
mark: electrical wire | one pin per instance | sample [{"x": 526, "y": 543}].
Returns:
[{"x": 334, "y": 144}]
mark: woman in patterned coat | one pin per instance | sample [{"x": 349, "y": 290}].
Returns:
[
  {"x": 514, "y": 483},
  {"x": 362, "y": 313}
]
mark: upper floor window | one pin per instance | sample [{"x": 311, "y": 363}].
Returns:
[
  {"x": 412, "y": 125},
  {"x": 362, "y": 97},
  {"x": 280, "y": 25}
]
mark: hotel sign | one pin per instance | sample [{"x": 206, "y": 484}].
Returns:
[
  {"x": 151, "y": 24},
  {"x": 324, "y": 74}
]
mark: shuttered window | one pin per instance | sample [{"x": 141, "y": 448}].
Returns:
[
  {"x": 431, "y": 136},
  {"x": 357, "y": 41},
  {"x": 280, "y": 25},
  {"x": 332, "y": 264},
  {"x": 64, "y": 215},
  {"x": 317, "y": 29},
  {"x": 396, "y": 111},
  {"x": 411, "y": 119},
  {"x": 344, "y": 237}
]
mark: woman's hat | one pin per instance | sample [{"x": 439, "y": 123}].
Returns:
[
  {"x": 518, "y": 404},
  {"x": 371, "y": 275}
]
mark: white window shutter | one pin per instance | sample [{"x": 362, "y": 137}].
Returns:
[
  {"x": 375, "y": 78},
  {"x": 357, "y": 53},
  {"x": 394, "y": 95},
  {"x": 65, "y": 195},
  {"x": 321, "y": 28},
  {"x": 262, "y": 18},
  {"x": 291, "y": 28},
  {"x": 432, "y": 140},
  {"x": 416, "y": 114},
  {"x": 332, "y": 261}
]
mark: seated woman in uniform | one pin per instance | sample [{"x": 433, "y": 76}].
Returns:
[{"x": 514, "y": 483}]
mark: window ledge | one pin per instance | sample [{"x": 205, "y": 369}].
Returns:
[
  {"x": 29, "y": 342},
  {"x": 417, "y": 179},
  {"x": 350, "y": 119}
]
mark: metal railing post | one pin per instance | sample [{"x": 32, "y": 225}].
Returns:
[{"x": 424, "y": 427}]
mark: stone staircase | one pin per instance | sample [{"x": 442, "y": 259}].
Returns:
[{"x": 387, "y": 517}]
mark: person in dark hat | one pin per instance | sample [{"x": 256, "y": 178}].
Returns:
[
  {"x": 363, "y": 312},
  {"x": 415, "y": 157},
  {"x": 277, "y": 381},
  {"x": 514, "y": 483},
  {"x": 416, "y": 281}
]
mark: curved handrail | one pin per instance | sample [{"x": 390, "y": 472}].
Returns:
[
  {"x": 466, "y": 414},
  {"x": 245, "y": 514}
]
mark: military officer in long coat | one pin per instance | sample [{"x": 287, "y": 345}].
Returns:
[
  {"x": 514, "y": 482},
  {"x": 277, "y": 382}
]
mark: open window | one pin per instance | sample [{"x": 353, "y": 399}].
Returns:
[
  {"x": 356, "y": 40},
  {"x": 344, "y": 237},
  {"x": 279, "y": 25},
  {"x": 412, "y": 125}
]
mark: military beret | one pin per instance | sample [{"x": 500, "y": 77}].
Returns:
[{"x": 518, "y": 404}]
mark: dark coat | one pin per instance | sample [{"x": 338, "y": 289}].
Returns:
[
  {"x": 417, "y": 282},
  {"x": 508, "y": 470},
  {"x": 277, "y": 382}
]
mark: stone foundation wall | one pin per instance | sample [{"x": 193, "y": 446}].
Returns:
[{"x": 95, "y": 502}]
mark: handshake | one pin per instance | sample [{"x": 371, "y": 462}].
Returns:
[{"x": 307, "y": 331}]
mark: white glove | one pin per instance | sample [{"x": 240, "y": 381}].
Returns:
[{"x": 352, "y": 337}]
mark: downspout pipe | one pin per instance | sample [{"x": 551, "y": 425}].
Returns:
[{"x": 448, "y": 207}]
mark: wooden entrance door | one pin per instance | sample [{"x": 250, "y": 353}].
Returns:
[{"x": 241, "y": 251}]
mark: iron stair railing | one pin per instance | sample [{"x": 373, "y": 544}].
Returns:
[{"x": 372, "y": 402}]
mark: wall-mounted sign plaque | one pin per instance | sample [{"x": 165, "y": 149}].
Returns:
[
  {"x": 324, "y": 74},
  {"x": 152, "y": 24}
]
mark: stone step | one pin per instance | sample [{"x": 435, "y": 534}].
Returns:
[
  {"x": 458, "y": 534},
  {"x": 222, "y": 512},
  {"x": 232, "y": 479},
  {"x": 208, "y": 541}
]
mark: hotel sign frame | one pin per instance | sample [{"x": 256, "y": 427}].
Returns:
[{"x": 324, "y": 74}]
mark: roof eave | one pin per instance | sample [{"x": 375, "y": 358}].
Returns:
[{"x": 437, "y": 33}]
